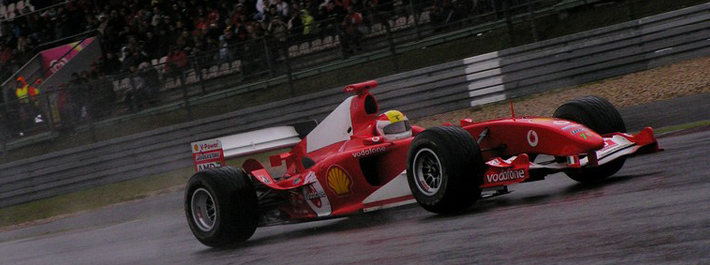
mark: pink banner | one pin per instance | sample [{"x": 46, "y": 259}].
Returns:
[{"x": 53, "y": 57}]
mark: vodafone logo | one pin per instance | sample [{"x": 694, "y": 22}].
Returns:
[
  {"x": 368, "y": 152},
  {"x": 532, "y": 138},
  {"x": 506, "y": 175}
]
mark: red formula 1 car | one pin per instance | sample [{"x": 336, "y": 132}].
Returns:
[{"x": 355, "y": 161}]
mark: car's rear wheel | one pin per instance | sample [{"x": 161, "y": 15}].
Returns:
[
  {"x": 221, "y": 206},
  {"x": 445, "y": 169},
  {"x": 602, "y": 117}
]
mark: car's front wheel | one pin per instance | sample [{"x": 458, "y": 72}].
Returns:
[
  {"x": 445, "y": 169},
  {"x": 602, "y": 117}
]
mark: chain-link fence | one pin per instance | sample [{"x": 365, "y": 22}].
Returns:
[{"x": 89, "y": 98}]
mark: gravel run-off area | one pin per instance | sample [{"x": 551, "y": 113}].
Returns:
[{"x": 680, "y": 79}]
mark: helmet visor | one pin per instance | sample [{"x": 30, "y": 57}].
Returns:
[{"x": 397, "y": 127}]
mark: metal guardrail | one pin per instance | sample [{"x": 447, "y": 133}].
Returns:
[{"x": 492, "y": 77}]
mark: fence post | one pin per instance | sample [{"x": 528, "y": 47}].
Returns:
[
  {"x": 4, "y": 151},
  {"x": 186, "y": 101},
  {"x": 50, "y": 113},
  {"x": 289, "y": 71},
  {"x": 339, "y": 33},
  {"x": 5, "y": 134},
  {"x": 415, "y": 14},
  {"x": 267, "y": 53},
  {"x": 508, "y": 21},
  {"x": 198, "y": 73},
  {"x": 630, "y": 9},
  {"x": 134, "y": 104},
  {"x": 390, "y": 41},
  {"x": 92, "y": 129},
  {"x": 496, "y": 12},
  {"x": 533, "y": 27}
]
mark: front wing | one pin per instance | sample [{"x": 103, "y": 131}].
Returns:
[{"x": 616, "y": 145}]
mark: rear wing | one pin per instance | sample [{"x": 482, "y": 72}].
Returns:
[{"x": 213, "y": 152}]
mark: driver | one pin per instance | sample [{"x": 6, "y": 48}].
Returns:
[{"x": 393, "y": 125}]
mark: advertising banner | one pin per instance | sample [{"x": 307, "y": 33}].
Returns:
[
  {"x": 52, "y": 59},
  {"x": 207, "y": 154}
]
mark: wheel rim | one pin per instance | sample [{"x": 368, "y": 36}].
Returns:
[
  {"x": 204, "y": 212},
  {"x": 427, "y": 172}
]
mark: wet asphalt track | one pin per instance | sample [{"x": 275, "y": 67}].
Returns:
[{"x": 656, "y": 210}]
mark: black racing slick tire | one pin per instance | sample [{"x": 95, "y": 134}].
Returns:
[
  {"x": 221, "y": 206},
  {"x": 445, "y": 169},
  {"x": 602, "y": 117}
]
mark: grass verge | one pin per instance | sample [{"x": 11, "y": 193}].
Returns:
[
  {"x": 94, "y": 198},
  {"x": 49, "y": 209},
  {"x": 682, "y": 127}
]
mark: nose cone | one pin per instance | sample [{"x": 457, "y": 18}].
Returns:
[
  {"x": 581, "y": 139},
  {"x": 565, "y": 137}
]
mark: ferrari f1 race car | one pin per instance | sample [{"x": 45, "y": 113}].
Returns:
[{"x": 358, "y": 160}]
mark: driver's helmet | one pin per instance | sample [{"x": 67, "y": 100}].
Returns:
[{"x": 393, "y": 125}]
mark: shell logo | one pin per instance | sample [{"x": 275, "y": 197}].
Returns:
[
  {"x": 339, "y": 181},
  {"x": 197, "y": 148}
]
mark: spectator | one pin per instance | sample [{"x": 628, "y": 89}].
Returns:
[
  {"x": 441, "y": 11},
  {"x": 295, "y": 22},
  {"x": 239, "y": 14},
  {"x": 136, "y": 95},
  {"x": 111, "y": 65},
  {"x": 373, "y": 14},
  {"x": 307, "y": 21},
  {"x": 224, "y": 54},
  {"x": 5, "y": 53},
  {"x": 72, "y": 111},
  {"x": 273, "y": 13},
  {"x": 135, "y": 58},
  {"x": 261, "y": 8},
  {"x": 152, "y": 81},
  {"x": 358, "y": 5},
  {"x": 27, "y": 97},
  {"x": 176, "y": 63},
  {"x": 230, "y": 37},
  {"x": 86, "y": 95},
  {"x": 351, "y": 27},
  {"x": 152, "y": 45},
  {"x": 104, "y": 96},
  {"x": 278, "y": 29},
  {"x": 282, "y": 8}
]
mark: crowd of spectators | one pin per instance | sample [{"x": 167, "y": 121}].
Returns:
[
  {"x": 134, "y": 33},
  {"x": 137, "y": 31}
]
